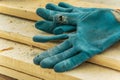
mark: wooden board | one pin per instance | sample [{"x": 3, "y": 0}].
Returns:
[
  {"x": 28, "y": 11},
  {"x": 25, "y": 40},
  {"x": 23, "y": 26},
  {"x": 3, "y": 77},
  {"x": 109, "y": 58},
  {"x": 110, "y": 2},
  {"x": 19, "y": 59},
  {"x": 15, "y": 74}
]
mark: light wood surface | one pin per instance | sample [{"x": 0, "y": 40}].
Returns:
[
  {"x": 26, "y": 8},
  {"x": 25, "y": 40},
  {"x": 110, "y": 2},
  {"x": 20, "y": 59},
  {"x": 20, "y": 28},
  {"x": 3, "y": 77},
  {"x": 21, "y": 56},
  {"x": 15, "y": 74}
]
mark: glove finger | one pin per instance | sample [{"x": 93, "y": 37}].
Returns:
[
  {"x": 71, "y": 62},
  {"x": 46, "y": 14},
  {"x": 51, "y": 61},
  {"x": 66, "y": 18},
  {"x": 40, "y": 38},
  {"x": 64, "y": 28},
  {"x": 46, "y": 26},
  {"x": 56, "y": 50},
  {"x": 65, "y": 5},
  {"x": 70, "y": 18},
  {"x": 54, "y": 7}
]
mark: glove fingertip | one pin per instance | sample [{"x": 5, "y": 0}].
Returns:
[
  {"x": 39, "y": 39},
  {"x": 39, "y": 10},
  {"x": 36, "y": 61},
  {"x": 35, "y": 38},
  {"x": 47, "y": 63},
  {"x": 58, "y": 68},
  {"x": 44, "y": 64},
  {"x": 65, "y": 5},
  {"x": 40, "y": 25},
  {"x": 60, "y": 3},
  {"x": 49, "y": 6},
  {"x": 37, "y": 24},
  {"x": 44, "y": 13}
]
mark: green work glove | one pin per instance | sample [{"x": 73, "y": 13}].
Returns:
[{"x": 96, "y": 32}]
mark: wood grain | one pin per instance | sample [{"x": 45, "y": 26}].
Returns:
[
  {"x": 20, "y": 60},
  {"x": 110, "y": 58},
  {"x": 28, "y": 11},
  {"x": 3, "y": 77},
  {"x": 23, "y": 30},
  {"x": 15, "y": 75},
  {"x": 24, "y": 39}
]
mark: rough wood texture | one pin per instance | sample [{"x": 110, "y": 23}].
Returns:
[
  {"x": 22, "y": 55},
  {"x": 20, "y": 59},
  {"x": 109, "y": 58},
  {"x": 28, "y": 11},
  {"x": 25, "y": 40},
  {"x": 15, "y": 74},
  {"x": 3, "y": 77},
  {"x": 110, "y": 2}
]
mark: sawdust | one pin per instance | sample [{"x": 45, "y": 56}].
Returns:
[{"x": 11, "y": 21}]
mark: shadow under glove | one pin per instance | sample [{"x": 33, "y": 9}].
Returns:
[{"x": 96, "y": 32}]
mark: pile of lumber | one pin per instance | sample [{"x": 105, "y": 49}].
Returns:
[{"x": 17, "y": 48}]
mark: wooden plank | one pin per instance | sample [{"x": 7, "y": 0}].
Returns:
[
  {"x": 107, "y": 58},
  {"x": 4, "y": 77},
  {"x": 20, "y": 59},
  {"x": 15, "y": 74},
  {"x": 19, "y": 27},
  {"x": 25, "y": 40},
  {"x": 11, "y": 23},
  {"x": 98, "y": 61},
  {"x": 28, "y": 11},
  {"x": 110, "y": 2}
]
